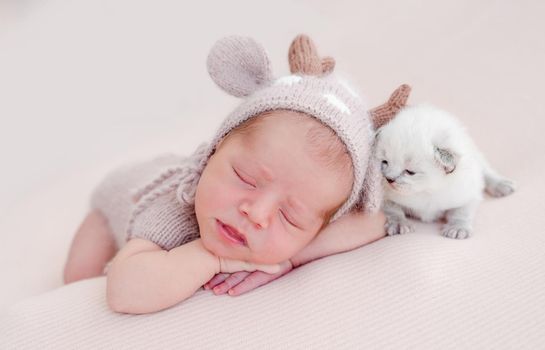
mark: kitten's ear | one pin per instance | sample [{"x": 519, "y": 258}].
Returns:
[{"x": 446, "y": 158}]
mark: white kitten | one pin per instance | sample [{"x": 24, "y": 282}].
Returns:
[{"x": 433, "y": 170}]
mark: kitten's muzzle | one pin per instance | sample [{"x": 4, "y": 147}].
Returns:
[{"x": 389, "y": 180}]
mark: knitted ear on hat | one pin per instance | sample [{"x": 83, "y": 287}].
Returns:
[
  {"x": 304, "y": 59},
  {"x": 384, "y": 113},
  {"x": 239, "y": 65}
]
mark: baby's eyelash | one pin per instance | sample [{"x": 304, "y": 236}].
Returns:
[
  {"x": 242, "y": 179},
  {"x": 287, "y": 219}
]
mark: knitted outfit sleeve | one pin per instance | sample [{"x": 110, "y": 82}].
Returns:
[
  {"x": 159, "y": 216},
  {"x": 162, "y": 221}
]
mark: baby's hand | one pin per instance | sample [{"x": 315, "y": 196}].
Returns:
[
  {"x": 229, "y": 265},
  {"x": 241, "y": 282}
]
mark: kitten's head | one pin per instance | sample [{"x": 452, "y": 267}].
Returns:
[{"x": 416, "y": 150}]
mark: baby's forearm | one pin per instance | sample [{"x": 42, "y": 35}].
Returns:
[
  {"x": 150, "y": 281},
  {"x": 348, "y": 232}
]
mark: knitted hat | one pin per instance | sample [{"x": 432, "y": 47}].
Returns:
[{"x": 241, "y": 67}]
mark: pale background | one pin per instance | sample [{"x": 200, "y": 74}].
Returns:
[{"x": 87, "y": 85}]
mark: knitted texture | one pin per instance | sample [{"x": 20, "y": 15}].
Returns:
[
  {"x": 304, "y": 59},
  {"x": 165, "y": 209},
  {"x": 142, "y": 200},
  {"x": 241, "y": 65},
  {"x": 385, "y": 112}
]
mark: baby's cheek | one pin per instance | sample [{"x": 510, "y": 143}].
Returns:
[
  {"x": 224, "y": 198},
  {"x": 283, "y": 246},
  {"x": 213, "y": 195}
]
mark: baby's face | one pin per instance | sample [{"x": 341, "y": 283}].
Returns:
[{"x": 262, "y": 199}]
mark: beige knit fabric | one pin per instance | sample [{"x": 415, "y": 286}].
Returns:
[{"x": 140, "y": 200}]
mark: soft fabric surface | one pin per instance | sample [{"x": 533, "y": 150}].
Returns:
[
  {"x": 86, "y": 86},
  {"x": 414, "y": 291}
]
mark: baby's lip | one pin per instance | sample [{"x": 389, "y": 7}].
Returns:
[{"x": 235, "y": 232}]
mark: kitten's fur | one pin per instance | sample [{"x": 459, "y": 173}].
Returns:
[{"x": 449, "y": 177}]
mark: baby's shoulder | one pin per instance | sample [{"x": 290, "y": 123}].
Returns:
[
  {"x": 163, "y": 220},
  {"x": 159, "y": 215}
]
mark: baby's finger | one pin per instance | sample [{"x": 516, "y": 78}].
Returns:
[
  {"x": 217, "y": 279},
  {"x": 256, "y": 279},
  {"x": 230, "y": 282}
]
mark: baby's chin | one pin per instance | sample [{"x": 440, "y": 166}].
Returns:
[
  {"x": 210, "y": 240},
  {"x": 216, "y": 248}
]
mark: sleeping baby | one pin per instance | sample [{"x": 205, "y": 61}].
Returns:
[{"x": 289, "y": 177}]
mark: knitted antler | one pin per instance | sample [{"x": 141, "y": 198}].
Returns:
[
  {"x": 303, "y": 58},
  {"x": 384, "y": 113}
]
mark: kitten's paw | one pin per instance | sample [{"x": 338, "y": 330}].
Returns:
[
  {"x": 397, "y": 227},
  {"x": 500, "y": 188},
  {"x": 457, "y": 232}
]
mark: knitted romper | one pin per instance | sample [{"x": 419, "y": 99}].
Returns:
[{"x": 140, "y": 200}]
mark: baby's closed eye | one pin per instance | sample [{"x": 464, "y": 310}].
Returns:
[
  {"x": 286, "y": 217},
  {"x": 243, "y": 178}
]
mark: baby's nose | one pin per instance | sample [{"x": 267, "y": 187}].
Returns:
[
  {"x": 257, "y": 212},
  {"x": 260, "y": 221}
]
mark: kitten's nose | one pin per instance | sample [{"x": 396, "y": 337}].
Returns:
[{"x": 389, "y": 180}]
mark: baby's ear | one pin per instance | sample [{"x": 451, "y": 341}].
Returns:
[
  {"x": 239, "y": 65},
  {"x": 446, "y": 158}
]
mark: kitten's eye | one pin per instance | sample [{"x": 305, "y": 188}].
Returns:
[
  {"x": 384, "y": 162},
  {"x": 411, "y": 173},
  {"x": 242, "y": 179}
]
